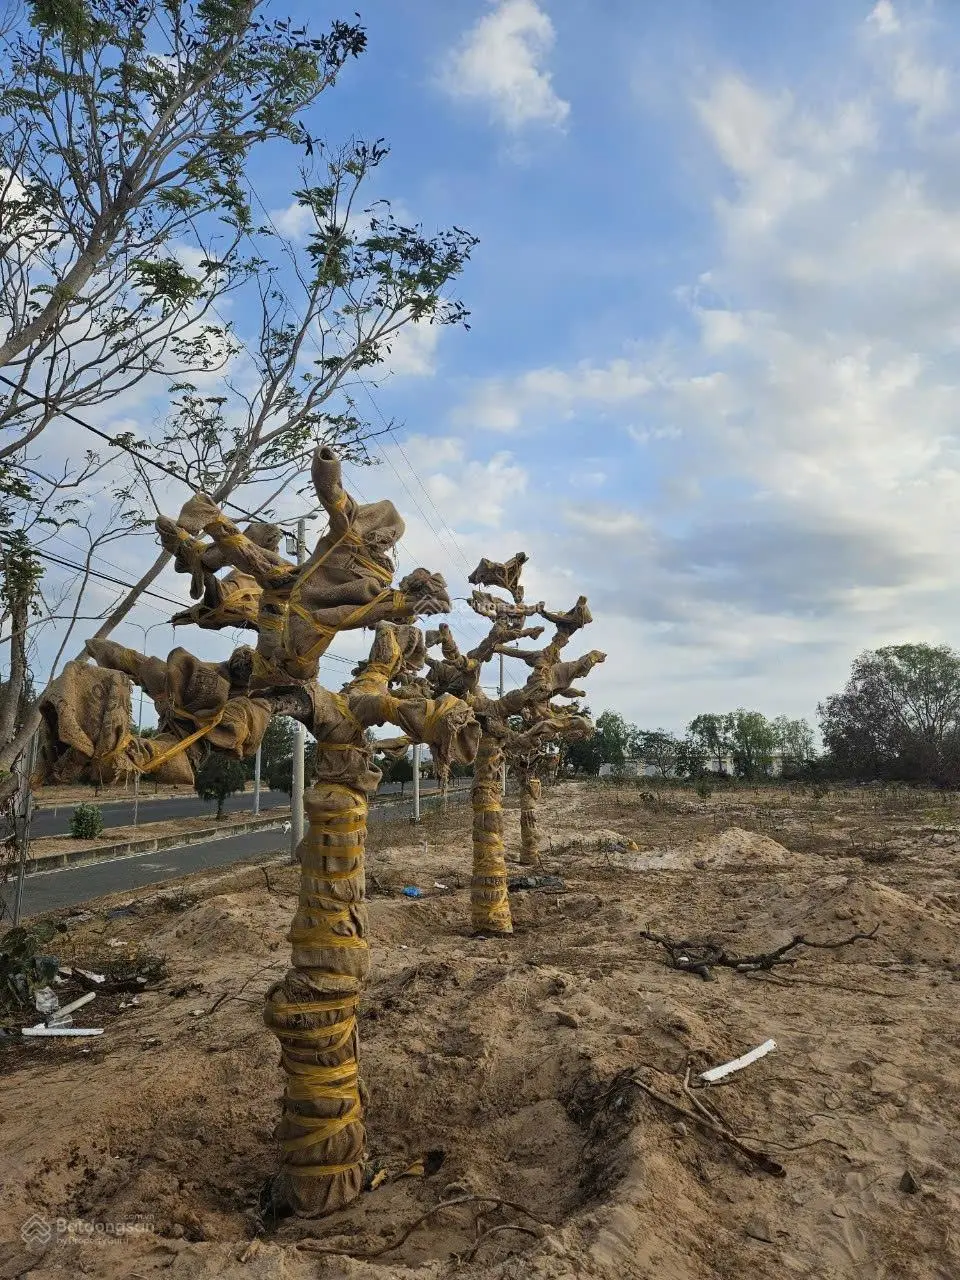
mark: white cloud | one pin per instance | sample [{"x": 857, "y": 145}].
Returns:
[
  {"x": 294, "y": 222},
  {"x": 914, "y": 79},
  {"x": 505, "y": 404},
  {"x": 500, "y": 62},
  {"x": 413, "y": 351}
]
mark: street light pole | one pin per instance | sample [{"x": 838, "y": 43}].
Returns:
[
  {"x": 256, "y": 781},
  {"x": 416, "y": 782},
  {"x": 136, "y": 777},
  {"x": 300, "y": 738}
]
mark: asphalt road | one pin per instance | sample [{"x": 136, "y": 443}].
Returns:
[
  {"x": 55, "y": 820},
  {"x": 50, "y": 890}
]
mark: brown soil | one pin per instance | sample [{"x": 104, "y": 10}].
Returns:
[
  {"x": 148, "y": 830},
  {"x": 521, "y": 1060}
]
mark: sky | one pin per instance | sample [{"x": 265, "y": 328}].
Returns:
[{"x": 715, "y": 318}]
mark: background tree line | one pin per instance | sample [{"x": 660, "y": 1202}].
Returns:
[
  {"x": 743, "y": 743},
  {"x": 896, "y": 720}
]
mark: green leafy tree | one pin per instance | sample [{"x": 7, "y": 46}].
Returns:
[
  {"x": 279, "y": 776},
  {"x": 662, "y": 749},
  {"x": 795, "y": 739},
  {"x": 898, "y": 718},
  {"x": 691, "y": 758},
  {"x": 125, "y": 131},
  {"x": 711, "y": 733},
  {"x": 86, "y": 822},
  {"x": 401, "y": 771},
  {"x": 218, "y": 777},
  {"x": 276, "y": 745},
  {"x": 752, "y": 740}
]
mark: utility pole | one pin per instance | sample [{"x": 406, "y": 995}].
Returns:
[
  {"x": 503, "y": 767},
  {"x": 416, "y": 782},
  {"x": 136, "y": 776},
  {"x": 300, "y": 738},
  {"x": 24, "y": 814},
  {"x": 256, "y": 782}
]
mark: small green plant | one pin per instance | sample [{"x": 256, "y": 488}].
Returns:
[
  {"x": 704, "y": 789},
  {"x": 87, "y": 822}
]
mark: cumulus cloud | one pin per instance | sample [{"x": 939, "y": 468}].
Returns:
[{"x": 500, "y": 62}]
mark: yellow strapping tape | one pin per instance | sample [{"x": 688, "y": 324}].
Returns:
[{"x": 321, "y": 1170}]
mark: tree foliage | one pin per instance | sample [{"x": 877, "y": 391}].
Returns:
[
  {"x": 125, "y": 129},
  {"x": 218, "y": 777},
  {"x": 898, "y": 718}
]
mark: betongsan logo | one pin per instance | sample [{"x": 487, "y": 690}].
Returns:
[{"x": 36, "y": 1231}]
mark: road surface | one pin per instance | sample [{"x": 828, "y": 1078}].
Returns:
[
  {"x": 50, "y": 820},
  {"x": 50, "y": 890}
]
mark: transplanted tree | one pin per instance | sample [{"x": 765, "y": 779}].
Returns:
[
  {"x": 218, "y": 777},
  {"x": 898, "y": 717},
  {"x": 225, "y": 707}
]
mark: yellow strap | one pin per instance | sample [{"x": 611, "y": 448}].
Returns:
[
  {"x": 314, "y": 1006},
  {"x": 435, "y": 715},
  {"x": 321, "y": 1170},
  {"x": 319, "y": 939},
  {"x": 318, "y": 1128},
  {"x": 110, "y": 756},
  {"x": 181, "y": 746}
]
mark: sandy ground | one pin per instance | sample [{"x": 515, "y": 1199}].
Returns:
[{"x": 523, "y": 1065}]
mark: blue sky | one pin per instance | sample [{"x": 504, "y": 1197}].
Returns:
[{"x": 709, "y": 379}]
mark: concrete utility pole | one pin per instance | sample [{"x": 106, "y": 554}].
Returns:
[
  {"x": 416, "y": 782},
  {"x": 256, "y": 781},
  {"x": 136, "y": 776},
  {"x": 300, "y": 738},
  {"x": 22, "y": 818},
  {"x": 503, "y": 767}
]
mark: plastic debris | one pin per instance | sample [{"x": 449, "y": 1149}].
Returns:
[
  {"x": 411, "y": 891},
  {"x": 46, "y": 1000},
  {"x": 718, "y": 1073},
  {"x": 64, "y": 1012},
  {"x": 41, "y": 1029},
  {"x": 91, "y": 976}
]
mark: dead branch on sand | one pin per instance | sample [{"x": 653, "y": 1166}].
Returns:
[{"x": 701, "y": 956}]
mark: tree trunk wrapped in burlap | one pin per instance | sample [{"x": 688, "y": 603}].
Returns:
[
  {"x": 530, "y": 792},
  {"x": 313, "y": 1010},
  {"x": 489, "y": 901},
  {"x": 296, "y": 611},
  {"x": 459, "y": 673}
]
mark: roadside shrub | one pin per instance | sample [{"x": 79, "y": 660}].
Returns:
[{"x": 87, "y": 822}]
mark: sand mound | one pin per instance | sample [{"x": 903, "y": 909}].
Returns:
[
  {"x": 226, "y": 925},
  {"x": 732, "y": 847},
  {"x": 910, "y": 931}
]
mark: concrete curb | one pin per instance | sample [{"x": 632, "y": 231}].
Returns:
[{"x": 129, "y": 848}]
